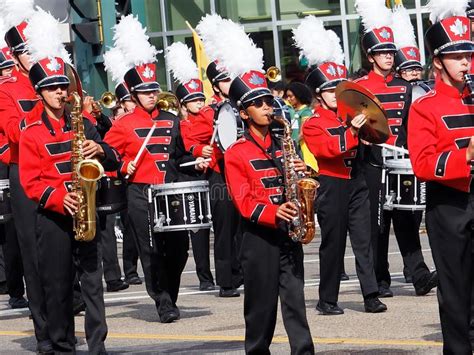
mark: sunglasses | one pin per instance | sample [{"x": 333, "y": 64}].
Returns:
[{"x": 258, "y": 102}]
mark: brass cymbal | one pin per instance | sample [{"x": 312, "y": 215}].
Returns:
[{"x": 353, "y": 99}]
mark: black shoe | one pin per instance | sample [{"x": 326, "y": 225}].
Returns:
[
  {"x": 44, "y": 347},
  {"x": 344, "y": 276},
  {"x": 78, "y": 308},
  {"x": 229, "y": 292},
  {"x": 408, "y": 279},
  {"x": 329, "y": 309},
  {"x": 3, "y": 288},
  {"x": 373, "y": 305},
  {"x": 427, "y": 282},
  {"x": 18, "y": 302},
  {"x": 117, "y": 285},
  {"x": 385, "y": 291},
  {"x": 169, "y": 317},
  {"x": 133, "y": 280},
  {"x": 206, "y": 286}
]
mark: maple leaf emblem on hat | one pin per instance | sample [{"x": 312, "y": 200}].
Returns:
[
  {"x": 193, "y": 85},
  {"x": 331, "y": 70},
  {"x": 53, "y": 65},
  {"x": 256, "y": 80},
  {"x": 458, "y": 28},
  {"x": 148, "y": 73},
  {"x": 412, "y": 53},
  {"x": 384, "y": 34},
  {"x": 340, "y": 71}
]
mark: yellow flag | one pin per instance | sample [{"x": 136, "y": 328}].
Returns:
[{"x": 202, "y": 63}]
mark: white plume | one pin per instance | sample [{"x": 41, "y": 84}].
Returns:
[
  {"x": 209, "y": 31},
  {"x": 131, "y": 38},
  {"x": 316, "y": 43},
  {"x": 15, "y": 12},
  {"x": 180, "y": 61},
  {"x": 441, "y": 9},
  {"x": 43, "y": 37},
  {"x": 3, "y": 29},
  {"x": 115, "y": 64},
  {"x": 373, "y": 13},
  {"x": 403, "y": 31},
  {"x": 237, "y": 53}
]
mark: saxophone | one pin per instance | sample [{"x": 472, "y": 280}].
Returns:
[
  {"x": 299, "y": 190},
  {"x": 85, "y": 173}
]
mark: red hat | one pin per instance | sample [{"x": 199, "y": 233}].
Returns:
[
  {"x": 48, "y": 72},
  {"x": 248, "y": 87},
  {"x": 142, "y": 78}
]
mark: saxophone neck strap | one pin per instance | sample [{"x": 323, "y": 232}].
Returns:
[{"x": 49, "y": 126}]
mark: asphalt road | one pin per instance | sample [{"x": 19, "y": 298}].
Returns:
[{"x": 210, "y": 324}]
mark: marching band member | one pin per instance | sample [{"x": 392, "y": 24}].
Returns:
[
  {"x": 192, "y": 100},
  {"x": 164, "y": 255},
  {"x": 45, "y": 172},
  {"x": 9, "y": 248},
  {"x": 441, "y": 145},
  {"x": 225, "y": 217},
  {"x": 395, "y": 96},
  {"x": 342, "y": 205},
  {"x": 18, "y": 97},
  {"x": 272, "y": 262}
]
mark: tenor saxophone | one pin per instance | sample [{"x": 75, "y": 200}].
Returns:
[
  {"x": 299, "y": 189},
  {"x": 85, "y": 173}
]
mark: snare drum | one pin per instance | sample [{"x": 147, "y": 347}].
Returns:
[
  {"x": 229, "y": 126},
  {"x": 111, "y": 195},
  {"x": 403, "y": 191},
  {"x": 180, "y": 206},
  {"x": 5, "y": 205}
]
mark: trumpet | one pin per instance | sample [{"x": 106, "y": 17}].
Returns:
[
  {"x": 167, "y": 101},
  {"x": 108, "y": 100},
  {"x": 273, "y": 74}
]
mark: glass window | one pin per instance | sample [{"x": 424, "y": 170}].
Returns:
[
  {"x": 293, "y": 9},
  {"x": 244, "y": 11},
  {"x": 409, "y": 4},
  {"x": 357, "y": 58},
  {"x": 160, "y": 66},
  {"x": 263, "y": 38},
  {"x": 292, "y": 67},
  {"x": 180, "y": 11},
  {"x": 152, "y": 15}
]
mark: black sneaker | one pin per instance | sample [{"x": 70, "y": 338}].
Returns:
[
  {"x": 385, "y": 291},
  {"x": 373, "y": 305},
  {"x": 78, "y": 307},
  {"x": 3, "y": 288},
  {"x": 329, "y": 309},
  {"x": 344, "y": 276},
  {"x": 169, "y": 317},
  {"x": 133, "y": 280},
  {"x": 229, "y": 292},
  {"x": 117, "y": 285},
  {"x": 18, "y": 302},
  {"x": 44, "y": 347},
  {"x": 206, "y": 286},
  {"x": 426, "y": 284}
]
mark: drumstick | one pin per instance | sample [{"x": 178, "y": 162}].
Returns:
[
  {"x": 214, "y": 134},
  {"x": 393, "y": 147},
  {"x": 142, "y": 148},
  {"x": 189, "y": 163}
]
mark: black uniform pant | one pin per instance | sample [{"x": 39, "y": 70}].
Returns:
[
  {"x": 227, "y": 233},
  {"x": 449, "y": 222},
  {"x": 343, "y": 206},
  {"x": 163, "y": 255},
  {"x": 24, "y": 216},
  {"x": 200, "y": 243},
  {"x": 273, "y": 268},
  {"x": 59, "y": 258},
  {"x": 129, "y": 248},
  {"x": 106, "y": 224},
  {"x": 13, "y": 261},
  {"x": 406, "y": 226}
]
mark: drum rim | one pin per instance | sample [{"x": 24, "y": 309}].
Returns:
[
  {"x": 180, "y": 184},
  {"x": 181, "y": 227}
]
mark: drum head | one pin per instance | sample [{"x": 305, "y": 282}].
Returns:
[{"x": 228, "y": 126}]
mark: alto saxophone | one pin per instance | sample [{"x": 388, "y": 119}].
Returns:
[
  {"x": 85, "y": 173},
  {"x": 299, "y": 189}
]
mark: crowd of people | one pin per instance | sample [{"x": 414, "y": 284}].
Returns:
[{"x": 49, "y": 128}]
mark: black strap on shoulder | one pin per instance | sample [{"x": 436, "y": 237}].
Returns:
[{"x": 270, "y": 153}]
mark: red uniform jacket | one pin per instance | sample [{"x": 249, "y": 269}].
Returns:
[
  {"x": 200, "y": 135},
  {"x": 254, "y": 178},
  {"x": 17, "y": 98},
  {"x": 332, "y": 143},
  {"x": 45, "y": 160},
  {"x": 4, "y": 150},
  {"x": 440, "y": 127},
  {"x": 164, "y": 152}
]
